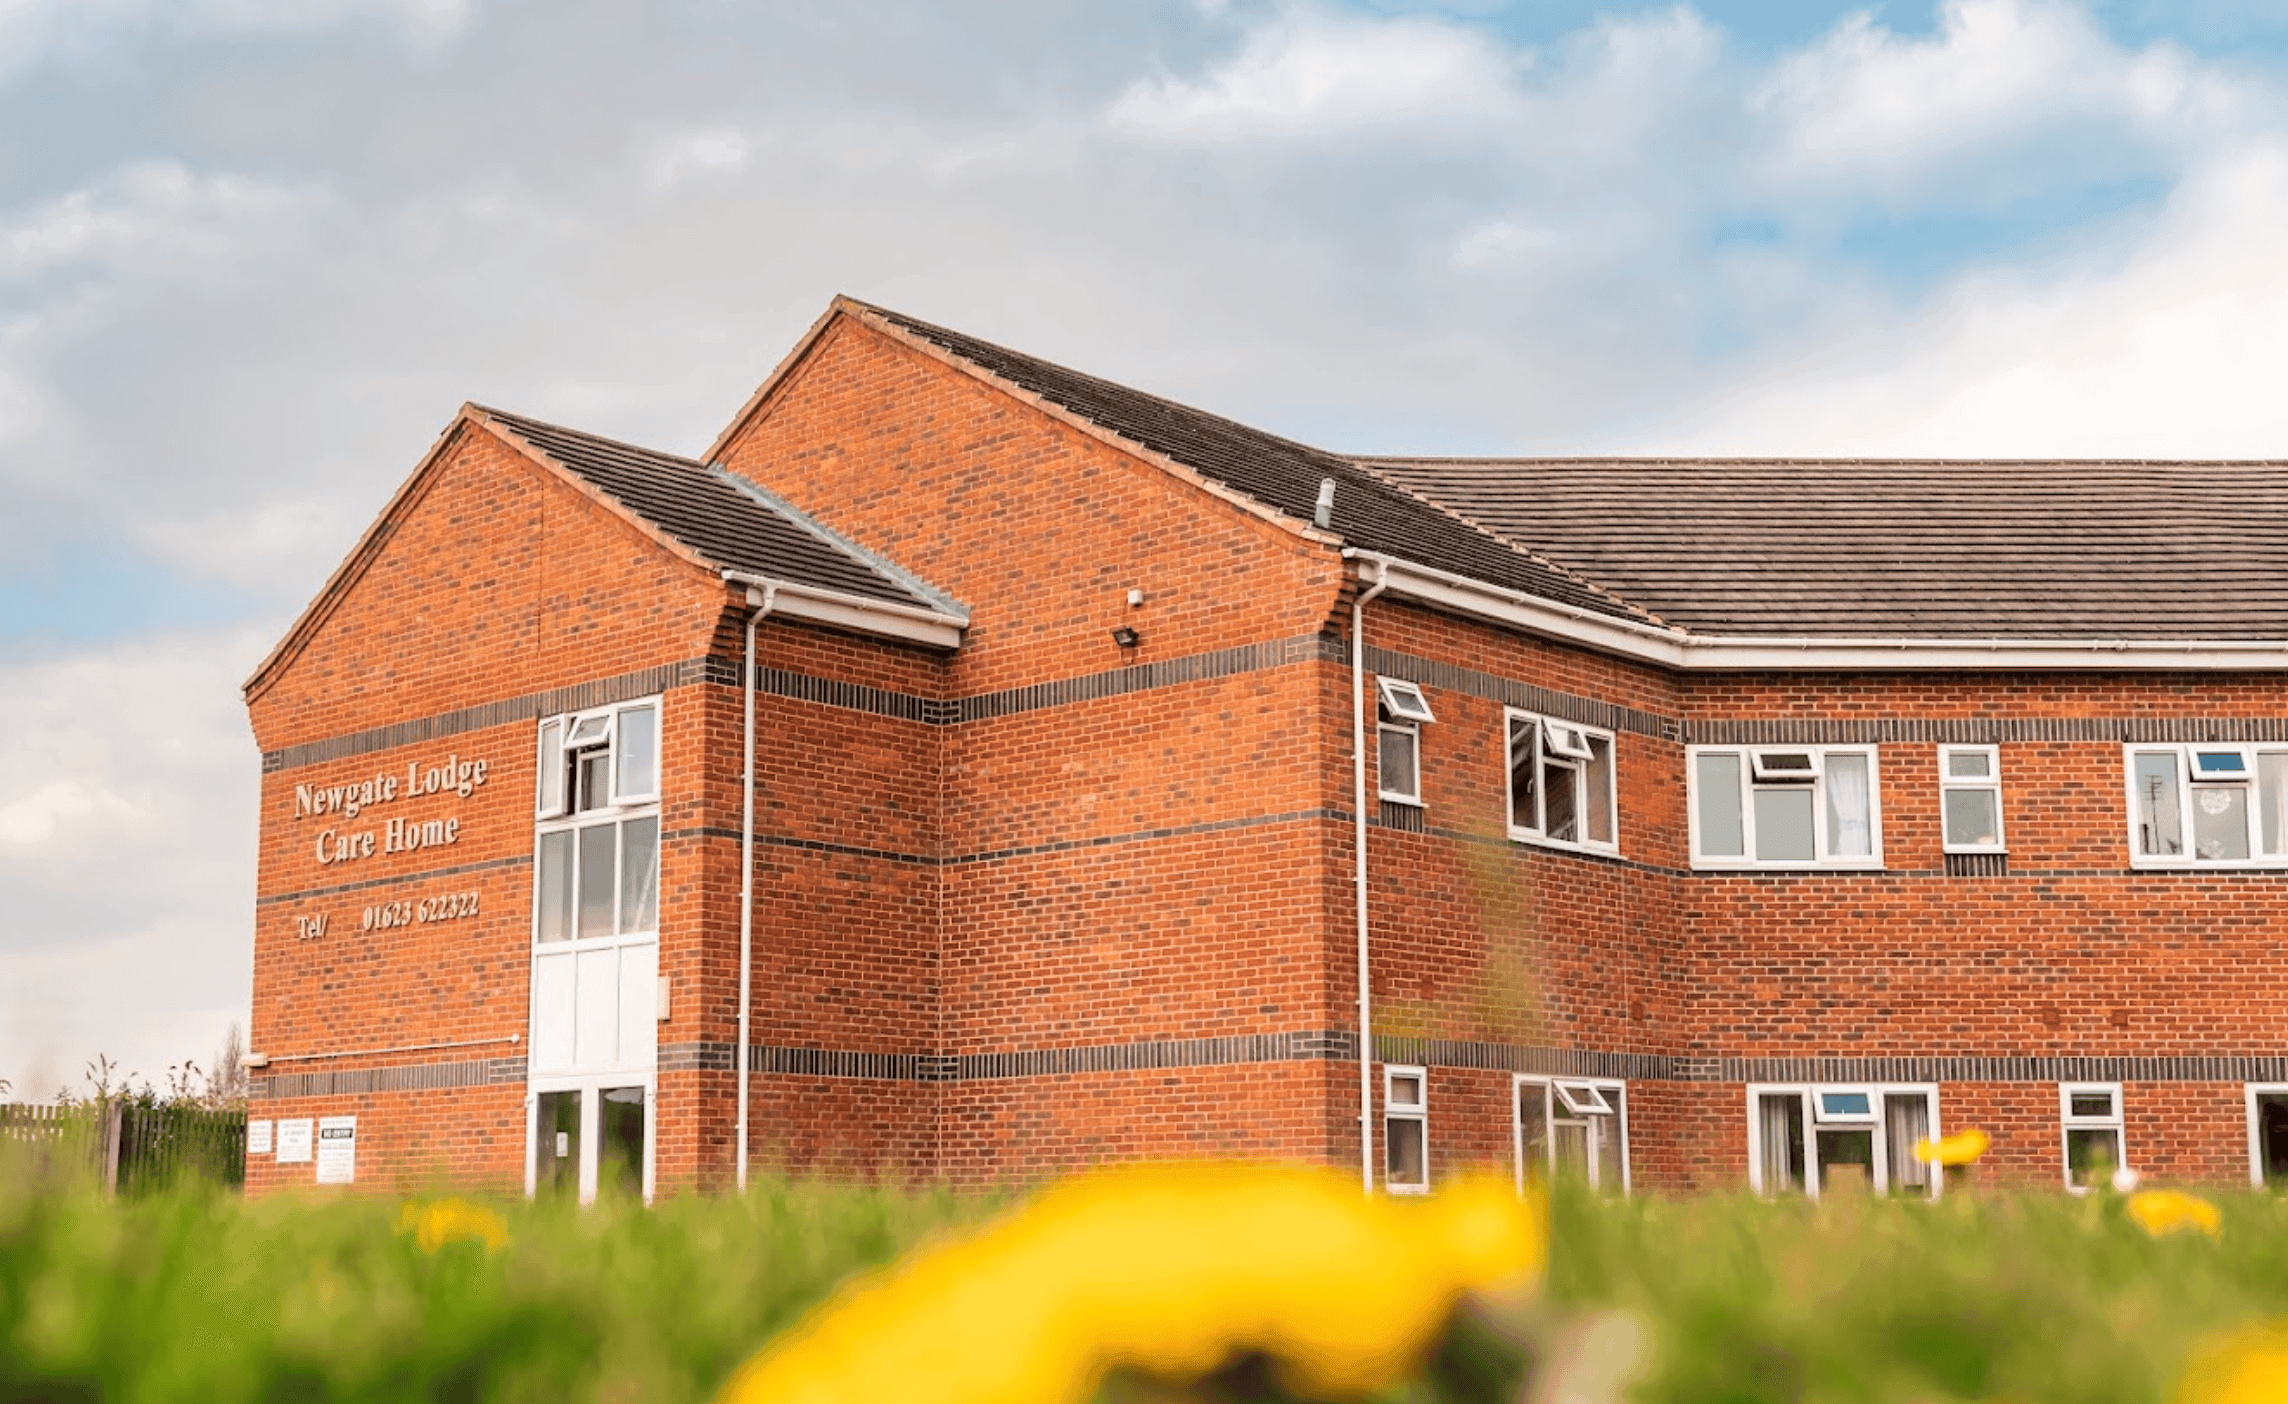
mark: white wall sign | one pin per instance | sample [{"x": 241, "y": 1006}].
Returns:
[
  {"x": 337, "y": 1150},
  {"x": 294, "y": 1142},
  {"x": 258, "y": 1138}
]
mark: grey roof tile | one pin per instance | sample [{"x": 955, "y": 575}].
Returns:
[
  {"x": 724, "y": 522},
  {"x": 1948, "y": 549}
]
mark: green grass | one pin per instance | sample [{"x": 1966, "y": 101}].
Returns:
[{"x": 197, "y": 1295}]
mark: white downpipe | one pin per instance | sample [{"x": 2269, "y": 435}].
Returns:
[
  {"x": 1358, "y": 785},
  {"x": 762, "y": 602}
]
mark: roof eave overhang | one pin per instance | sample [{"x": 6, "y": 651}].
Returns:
[
  {"x": 1704, "y": 653},
  {"x": 794, "y": 600}
]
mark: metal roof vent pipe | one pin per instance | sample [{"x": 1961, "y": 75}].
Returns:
[{"x": 1324, "y": 513}]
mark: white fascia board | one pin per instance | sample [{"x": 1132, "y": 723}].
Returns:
[
  {"x": 893, "y": 621},
  {"x": 1672, "y": 648}
]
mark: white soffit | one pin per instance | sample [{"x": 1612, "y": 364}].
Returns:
[{"x": 1671, "y": 648}]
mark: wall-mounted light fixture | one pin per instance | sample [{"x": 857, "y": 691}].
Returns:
[{"x": 1126, "y": 637}]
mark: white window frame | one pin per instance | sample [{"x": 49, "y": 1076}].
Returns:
[
  {"x": 1381, "y": 781},
  {"x": 1821, "y": 859},
  {"x": 618, "y": 811},
  {"x": 2253, "y": 1091},
  {"x": 1991, "y": 782},
  {"x": 1576, "y": 755},
  {"x": 1417, "y": 1112},
  {"x": 1879, "y": 1124},
  {"x": 1403, "y": 700},
  {"x": 1544, "y": 1085},
  {"x": 2252, "y": 757},
  {"x": 1821, "y": 1116},
  {"x": 2117, "y": 1122}
]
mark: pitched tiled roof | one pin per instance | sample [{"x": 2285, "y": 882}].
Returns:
[
  {"x": 2092, "y": 550},
  {"x": 1369, "y": 513},
  {"x": 725, "y": 521}
]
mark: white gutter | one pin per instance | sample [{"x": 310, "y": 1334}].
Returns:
[
  {"x": 891, "y": 620},
  {"x": 1673, "y": 648},
  {"x": 762, "y": 600},
  {"x": 1358, "y": 786}
]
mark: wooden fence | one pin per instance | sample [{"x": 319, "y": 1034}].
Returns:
[{"x": 131, "y": 1147}]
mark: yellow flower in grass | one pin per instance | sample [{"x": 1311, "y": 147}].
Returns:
[
  {"x": 443, "y": 1221},
  {"x": 2166, "y": 1211},
  {"x": 1173, "y": 1271},
  {"x": 2247, "y": 1367},
  {"x": 1961, "y": 1148}
]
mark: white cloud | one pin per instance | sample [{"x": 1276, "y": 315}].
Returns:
[
  {"x": 80, "y": 31},
  {"x": 1316, "y": 72},
  {"x": 126, "y": 853},
  {"x": 717, "y": 151},
  {"x": 158, "y": 212},
  {"x": 1872, "y": 107},
  {"x": 2167, "y": 348}
]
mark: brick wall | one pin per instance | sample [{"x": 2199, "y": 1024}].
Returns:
[{"x": 1047, "y": 901}]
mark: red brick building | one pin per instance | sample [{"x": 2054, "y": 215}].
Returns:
[{"x": 1722, "y": 822}]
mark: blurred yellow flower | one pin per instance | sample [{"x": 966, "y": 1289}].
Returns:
[
  {"x": 443, "y": 1221},
  {"x": 2165, "y": 1211},
  {"x": 1961, "y": 1148},
  {"x": 2247, "y": 1367},
  {"x": 1170, "y": 1270}
]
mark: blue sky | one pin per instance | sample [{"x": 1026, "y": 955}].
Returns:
[{"x": 254, "y": 252}]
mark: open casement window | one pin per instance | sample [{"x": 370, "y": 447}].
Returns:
[
  {"x": 1811, "y": 1138},
  {"x": 1785, "y": 807},
  {"x": 596, "y": 851},
  {"x": 1572, "y": 1126},
  {"x": 1400, "y": 711},
  {"x": 1406, "y": 1130},
  {"x": 1402, "y": 701},
  {"x": 2207, "y": 805},
  {"x": 2089, "y": 1114},
  {"x": 1561, "y": 788},
  {"x": 1970, "y": 798}
]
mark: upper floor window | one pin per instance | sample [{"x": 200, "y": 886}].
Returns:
[
  {"x": 1970, "y": 798},
  {"x": 1561, "y": 783},
  {"x": 596, "y": 856},
  {"x": 2202, "y": 804},
  {"x": 1400, "y": 711},
  {"x": 1785, "y": 807}
]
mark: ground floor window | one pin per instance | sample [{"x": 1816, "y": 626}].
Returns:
[
  {"x": 1406, "y": 1130},
  {"x": 1571, "y": 1126},
  {"x": 2268, "y": 1133},
  {"x": 2089, "y": 1113},
  {"x": 1808, "y": 1138},
  {"x": 590, "y": 1140}
]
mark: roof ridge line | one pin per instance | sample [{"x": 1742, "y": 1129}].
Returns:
[
  {"x": 897, "y": 574},
  {"x": 513, "y": 416},
  {"x": 1805, "y": 461},
  {"x": 1520, "y": 548},
  {"x": 915, "y": 330}
]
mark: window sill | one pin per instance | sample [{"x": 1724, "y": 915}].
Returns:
[
  {"x": 1596, "y": 850},
  {"x": 2237, "y": 865},
  {"x": 1411, "y": 801},
  {"x": 1405, "y": 1189},
  {"x": 1963, "y": 849},
  {"x": 1719, "y": 865}
]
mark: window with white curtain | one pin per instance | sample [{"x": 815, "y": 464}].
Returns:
[
  {"x": 1815, "y": 1138},
  {"x": 2218, "y": 805},
  {"x": 1561, "y": 789},
  {"x": 1784, "y": 807}
]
